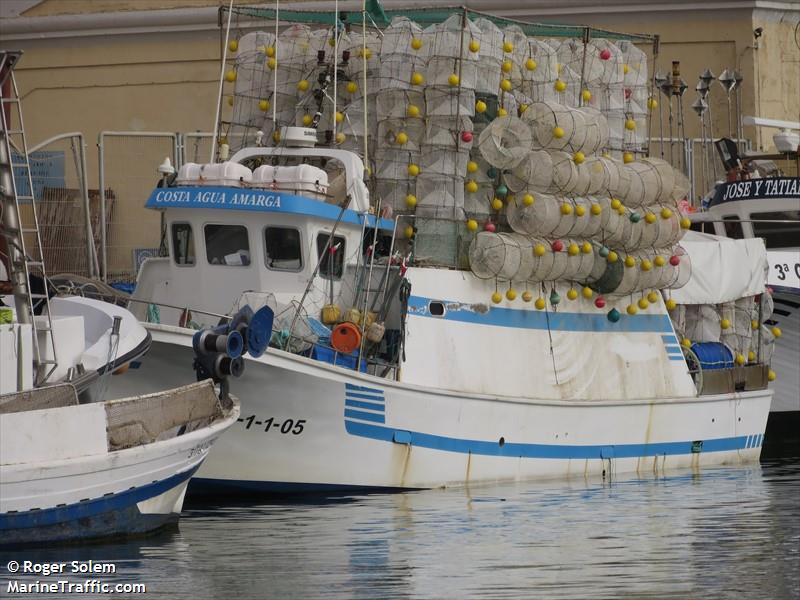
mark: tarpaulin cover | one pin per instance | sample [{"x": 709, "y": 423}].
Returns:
[{"x": 723, "y": 269}]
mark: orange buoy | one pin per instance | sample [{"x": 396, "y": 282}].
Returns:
[{"x": 345, "y": 337}]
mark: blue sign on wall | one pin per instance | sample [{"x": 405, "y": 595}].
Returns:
[{"x": 47, "y": 170}]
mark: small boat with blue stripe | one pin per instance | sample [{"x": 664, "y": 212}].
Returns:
[{"x": 495, "y": 288}]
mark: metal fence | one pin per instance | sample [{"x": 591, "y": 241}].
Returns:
[
  {"x": 66, "y": 208},
  {"x": 127, "y": 170}
]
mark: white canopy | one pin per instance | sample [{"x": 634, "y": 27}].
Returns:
[{"x": 723, "y": 269}]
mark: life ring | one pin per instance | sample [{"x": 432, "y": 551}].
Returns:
[{"x": 345, "y": 337}]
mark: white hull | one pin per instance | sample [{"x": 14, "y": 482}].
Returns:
[
  {"x": 71, "y": 487},
  {"x": 327, "y": 426}
]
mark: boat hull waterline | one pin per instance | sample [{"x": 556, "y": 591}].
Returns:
[{"x": 310, "y": 427}]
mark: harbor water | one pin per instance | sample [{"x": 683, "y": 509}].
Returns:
[{"x": 718, "y": 533}]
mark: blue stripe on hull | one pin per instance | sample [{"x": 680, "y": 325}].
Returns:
[
  {"x": 556, "y": 321},
  {"x": 116, "y": 514},
  {"x": 200, "y": 486},
  {"x": 357, "y": 414},
  {"x": 366, "y": 405},
  {"x": 552, "y": 451}
]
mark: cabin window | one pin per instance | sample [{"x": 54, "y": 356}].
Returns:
[
  {"x": 182, "y": 244},
  {"x": 332, "y": 263},
  {"x": 777, "y": 234},
  {"x": 227, "y": 245},
  {"x": 282, "y": 249},
  {"x": 733, "y": 227}
]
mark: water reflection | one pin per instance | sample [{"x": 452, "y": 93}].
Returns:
[{"x": 724, "y": 532}]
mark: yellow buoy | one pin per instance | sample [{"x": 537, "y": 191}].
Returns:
[
  {"x": 596, "y": 209},
  {"x": 276, "y": 136},
  {"x": 528, "y": 199},
  {"x": 646, "y": 264},
  {"x": 630, "y": 261},
  {"x": 230, "y": 76},
  {"x": 630, "y": 124},
  {"x": 307, "y": 120},
  {"x": 417, "y": 79},
  {"x": 586, "y": 95},
  {"x": 652, "y": 103},
  {"x": 412, "y": 111},
  {"x": 686, "y": 343},
  {"x": 566, "y": 209},
  {"x": 339, "y": 117},
  {"x": 507, "y": 66},
  {"x": 352, "y": 87},
  {"x": 776, "y": 331},
  {"x": 652, "y": 297},
  {"x": 740, "y": 359},
  {"x": 573, "y": 249},
  {"x": 474, "y": 45},
  {"x": 340, "y": 138},
  {"x": 453, "y": 79},
  {"x": 472, "y": 166},
  {"x": 615, "y": 203},
  {"x": 631, "y": 310},
  {"x": 270, "y": 51},
  {"x": 472, "y": 225},
  {"x": 272, "y": 63},
  {"x": 230, "y": 100},
  {"x": 502, "y": 112},
  {"x": 686, "y": 222},
  {"x": 497, "y": 298},
  {"x": 365, "y": 53},
  {"x": 505, "y": 85},
  {"x": 411, "y": 200},
  {"x": 725, "y": 323},
  {"x": 751, "y": 356},
  {"x": 416, "y": 43},
  {"x": 559, "y": 85},
  {"x": 580, "y": 210},
  {"x": 628, "y": 157},
  {"x": 572, "y": 294},
  {"x": 527, "y": 296},
  {"x": 558, "y": 132},
  {"x": 530, "y": 64},
  {"x": 649, "y": 218},
  {"x": 666, "y": 213},
  {"x": 233, "y": 45},
  {"x": 522, "y": 108},
  {"x": 472, "y": 186},
  {"x": 587, "y": 292},
  {"x": 303, "y": 85},
  {"x": 480, "y": 106},
  {"x": 586, "y": 248},
  {"x": 643, "y": 303},
  {"x": 625, "y": 69},
  {"x": 659, "y": 260},
  {"x": 413, "y": 170},
  {"x": 508, "y": 47},
  {"x": 511, "y": 294},
  {"x": 612, "y": 256},
  {"x": 540, "y": 303},
  {"x": 497, "y": 204},
  {"x": 671, "y": 304},
  {"x": 753, "y": 324},
  {"x": 771, "y": 375},
  {"x": 578, "y": 157},
  {"x": 263, "y": 105},
  {"x": 539, "y": 250},
  {"x": 401, "y": 138},
  {"x": 408, "y": 232}
]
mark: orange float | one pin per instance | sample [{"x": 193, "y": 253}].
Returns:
[{"x": 345, "y": 337}]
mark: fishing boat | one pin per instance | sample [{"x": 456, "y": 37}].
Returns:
[
  {"x": 75, "y": 466},
  {"x": 759, "y": 201},
  {"x": 494, "y": 296}
]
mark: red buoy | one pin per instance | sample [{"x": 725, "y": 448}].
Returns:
[
  {"x": 557, "y": 246},
  {"x": 466, "y": 137},
  {"x": 605, "y": 54},
  {"x": 674, "y": 260},
  {"x": 600, "y": 302},
  {"x": 345, "y": 337}
]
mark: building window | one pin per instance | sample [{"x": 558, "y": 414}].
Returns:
[
  {"x": 332, "y": 264},
  {"x": 282, "y": 249},
  {"x": 227, "y": 245},
  {"x": 182, "y": 244}
]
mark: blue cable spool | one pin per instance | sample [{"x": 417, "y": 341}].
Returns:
[{"x": 713, "y": 355}]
